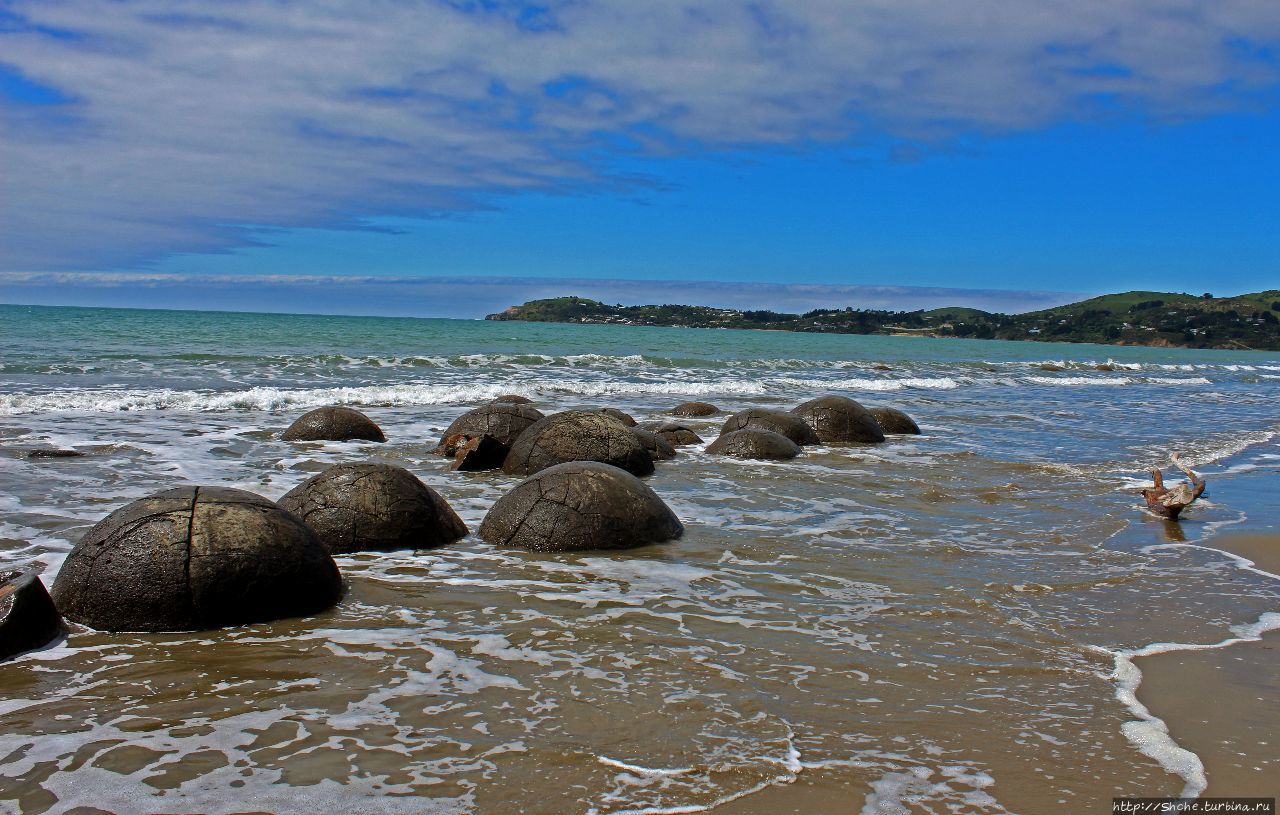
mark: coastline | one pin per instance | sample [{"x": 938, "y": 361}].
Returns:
[{"x": 1223, "y": 704}]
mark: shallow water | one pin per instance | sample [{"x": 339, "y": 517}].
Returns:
[{"x": 937, "y": 620}]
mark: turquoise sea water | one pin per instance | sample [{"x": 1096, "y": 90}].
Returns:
[{"x": 943, "y": 620}]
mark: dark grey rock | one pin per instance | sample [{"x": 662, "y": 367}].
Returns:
[
  {"x": 695, "y": 409},
  {"x": 28, "y": 618},
  {"x": 373, "y": 507},
  {"x": 195, "y": 558},
  {"x": 789, "y": 425},
  {"x": 513, "y": 398},
  {"x": 504, "y": 421},
  {"x": 580, "y": 506},
  {"x": 677, "y": 435},
  {"x": 334, "y": 423},
  {"x": 53, "y": 453},
  {"x": 659, "y": 448},
  {"x": 755, "y": 443},
  {"x": 625, "y": 418},
  {"x": 839, "y": 420},
  {"x": 577, "y": 436},
  {"x": 892, "y": 420}
]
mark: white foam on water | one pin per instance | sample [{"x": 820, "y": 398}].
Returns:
[{"x": 1078, "y": 380}]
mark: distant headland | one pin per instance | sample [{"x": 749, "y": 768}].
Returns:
[{"x": 1159, "y": 319}]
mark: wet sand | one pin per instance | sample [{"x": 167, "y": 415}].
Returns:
[{"x": 1224, "y": 704}]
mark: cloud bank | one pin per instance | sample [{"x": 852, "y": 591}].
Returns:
[
  {"x": 472, "y": 297},
  {"x": 156, "y": 126}
]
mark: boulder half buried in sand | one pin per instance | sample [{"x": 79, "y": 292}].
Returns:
[
  {"x": 334, "y": 423},
  {"x": 580, "y": 506},
  {"x": 895, "y": 422},
  {"x": 28, "y": 618},
  {"x": 373, "y": 507},
  {"x": 839, "y": 420},
  {"x": 695, "y": 409},
  {"x": 503, "y": 421},
  {"x": 677, "y": 435},
  {"x": 755, "y": 443},
  {"x": 513, "y": 398},
  {"x": 659, "y": 448},
  {"x": 577, "y": 436},
  {"x": 195, "y": 558},
  {"x": 789, "y": 425}
]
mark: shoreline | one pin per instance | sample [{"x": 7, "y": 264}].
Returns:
[{"x": 1222, "y": 702}]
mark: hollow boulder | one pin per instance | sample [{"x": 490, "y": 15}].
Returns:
[
  {"x": 694, "y": 409},
  {"x": 892, "y": 420},
  {"x": 659, "y": 448},
  {"x": 789, "y": 425},
  {"x": 577, "y": 436},
  {"x": 580, "y": 506},
  {"x": 839, "y": 419},
  {"x": 373, "y": 507},
  {"x": 194, "y": 558},
  {"x": 28, "y": 618},
  {"x": 504, "y": 421},
  {"x": 755, "y": 443},
  {"x": 335, "y": 423}
]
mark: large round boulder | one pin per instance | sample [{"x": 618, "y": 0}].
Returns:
[
  {"x": 677, "y": 435},
  {"x": 580, "y": 506},
  {"x": 195, "y": 558},
  {"x": 791, "y": 426},
  {"x": 28, "y": 618},
  {"x": 755, "y": 443},
  {"x": 577, "y": 436},
  {"x": 894, "y": 421},
  {"x": 373, "y": 507},
  {"x": 335, "y": 423},
  {"x": 694, "y": 409},
  {"x": 839, "y": 419},
  {"x": 659, "y": 448},
  {"x": 513, "y": 398},
  {"x": 504, "y": 421}
]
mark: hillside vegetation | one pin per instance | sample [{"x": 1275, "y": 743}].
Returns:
[{"x": 1248, "y": 321}]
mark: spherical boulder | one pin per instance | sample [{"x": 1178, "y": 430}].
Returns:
[
  {"x": 194, "y": 558},
  {"x": 839, "y": 419},
  {"x": 793, "y": 427},
  {"x": 373, "y": 507},
  {"x": 513, "y": 398},
  {"x": 580, "y": 506},
  {"x": 335, "y": 423},
  {"x": 28, "y": 618},
  {"x": 625, "y": 418},
  {"x": 677, "y": 435},
  {"x": 659, "y": 448},
  {"x": 755, "y": 443},
  {"x": 694, "y": 409},
  {"x": 504, "y": 421},
  {"x": 577, "y": 436},
  {"x": 892, "y": 420}
]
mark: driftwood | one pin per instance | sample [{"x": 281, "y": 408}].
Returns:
[{"x": 1170, "y": 503}]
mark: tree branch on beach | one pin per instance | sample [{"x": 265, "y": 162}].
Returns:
[{"x": 1169, "y": 503}]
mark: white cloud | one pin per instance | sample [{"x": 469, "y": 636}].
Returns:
[{"x": 190, "y": 118}]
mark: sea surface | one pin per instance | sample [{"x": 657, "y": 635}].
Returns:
[{"x": 943, "y": 623}]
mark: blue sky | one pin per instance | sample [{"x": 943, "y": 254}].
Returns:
[{"x": 171, "y": 152}]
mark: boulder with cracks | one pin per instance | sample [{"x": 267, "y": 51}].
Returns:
[
  {"x": 335, "y": 423},
  {"x": 577, "y": 436},
  {"x": 840, "y": 420},
  {"x": 894, "y": 422},
  {"x": 755, "y": 443},
  {"x": 789, "y": 425}
]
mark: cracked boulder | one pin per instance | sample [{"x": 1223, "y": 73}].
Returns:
[
  {"x": 195, "y": 558},
  {"x": 28, "y": 618},
  {"x": 621, "y": 416},
  {"x": 839, "y": 419},
  {"x": 334, "y": 423},
  {"x": 677, "y": 435},
  {"x": 659, "y": 448},
  {"x": 695, "y": 409},
  {"x": 480, "y": 439},
  {"x": 755, "y": 443},
  {"x": 580, "y": 506},
  {"x": 513, "y": 398},
  {"x": 373, "y": 507},
  {"x": 895, "y": 422},
  {"x": 787, "y": 424},
  {"x": 577, "y": 436}
]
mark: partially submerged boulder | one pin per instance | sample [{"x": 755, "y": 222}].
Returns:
[
  {"x": 659, "y": 448},
  {"x": 28, "y": 618},
  {"x": 755, "y": 443},
  {"x": 839, "y": 419},
  {"x": 513, "y": 398},
  {"x": 373, "y": 507},
  {"x": 895, "y": 422},
  {"x": 53, "y": 452},
  {"x": 334, "y": 423},
  {"x": 580, "y": 506},
  {"x": 194, "y": 558},
  {"x": 504, "y": 421},
  {"x": 791, "y": 426},
  {"x": 577, "y": 436},
  {"x": 677, "y": 435},
  {"x": 695, "y": 409}
]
